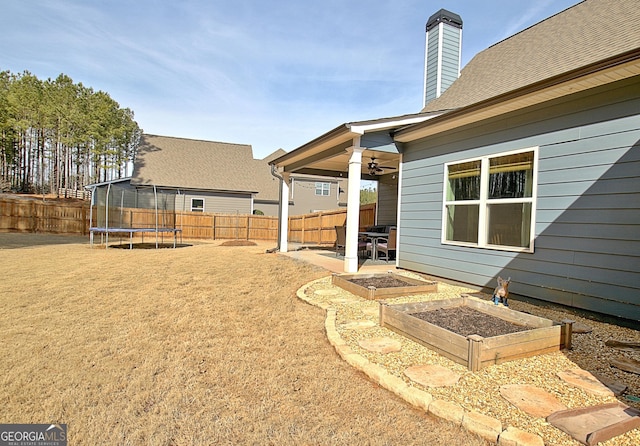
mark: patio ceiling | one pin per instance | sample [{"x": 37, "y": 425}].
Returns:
[{"x": 337, "y": 164}]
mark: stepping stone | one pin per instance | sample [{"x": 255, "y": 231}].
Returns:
[
  {"x": 533, "y": 400},
  {"x": 432, "y": 375},
  {"x": 595, "y": 424},
  {"x": 586, "y": 381},
  {"x": 579, "y": 327},
  {"x": 627, "y": 364},
  {"x": 380, "y": 345},
  {"x": 623, "y": 345},
  {"x": 355, "y": 325},
  {"x": 326, "y": 292},
  {"x": 616, "y": 387}
]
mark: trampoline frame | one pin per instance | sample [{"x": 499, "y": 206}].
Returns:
[{"x": 105, "y": 231}]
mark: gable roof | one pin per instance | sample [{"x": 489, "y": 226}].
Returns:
[
  {"x": 584, "y": 34},
  {"x": 203, "y": 165},
  {"x": 277, "y": 154}
]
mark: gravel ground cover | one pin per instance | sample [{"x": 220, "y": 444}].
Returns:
[{"x": 479, "y": 391}]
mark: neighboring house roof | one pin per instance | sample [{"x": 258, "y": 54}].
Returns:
[
  {"x": 203, "y": 165},
  {"x": 105, "y": 183},
  {"x": 277, "y": 154},
  {"x": 581, "y": 35}
]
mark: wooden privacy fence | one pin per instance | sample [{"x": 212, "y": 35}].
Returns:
[
  {"x": 315, "y": 228},
  {"x": 320, "y": 227},
  {"x": 32, "y": 215},
  {"x": 198, "y": 225}
]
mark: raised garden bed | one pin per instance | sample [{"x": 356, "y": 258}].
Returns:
[
  {"x": 382, "y": 286},
  {"x": 522, "y": 335}
]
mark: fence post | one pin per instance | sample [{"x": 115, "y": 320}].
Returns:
[
  {"x": 248, "y": 223},
  {"x": 34, "y": 218},
  {"x": 83, "y": 212}
]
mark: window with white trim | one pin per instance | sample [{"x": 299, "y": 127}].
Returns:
[
  {"x": 489, "y": 202},
  {"x": 197, "y": 205},
  {"x": 323, "y": 189}
]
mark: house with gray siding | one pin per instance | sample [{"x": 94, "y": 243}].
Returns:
[
  {"x": 207, "y": 176},
  {"x": 528, "y": 166},
  {"x": 224, "y": 178},
  {"x": 311, "y": 193}
]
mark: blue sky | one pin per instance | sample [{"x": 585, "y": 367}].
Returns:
[{"x": 270, "y": 74}]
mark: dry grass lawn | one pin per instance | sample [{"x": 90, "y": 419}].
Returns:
[{"x": 199, "y": 345}]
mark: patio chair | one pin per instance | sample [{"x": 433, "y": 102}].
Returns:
[
  {"x": 387, "y": 246},
  {"x": 341, "y": 240}
]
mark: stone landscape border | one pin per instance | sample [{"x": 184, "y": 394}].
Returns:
[{"x": 485, "y": 426}]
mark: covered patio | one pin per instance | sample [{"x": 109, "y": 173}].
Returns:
[{"x": 360, "y": 151}]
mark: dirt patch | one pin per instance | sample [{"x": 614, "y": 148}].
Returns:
[
  {"x": 467, "y": 321},
  {"x": 151, "y": 245},
  {"x": 12, "y": 240},
  {"x": 380, "y": 282},
  {"x": 239, "y": 243}
]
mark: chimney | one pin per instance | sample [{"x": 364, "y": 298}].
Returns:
[{"x": 442, "y": 53}]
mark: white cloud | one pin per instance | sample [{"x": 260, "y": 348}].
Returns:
[{"x": 273, "y": 75}]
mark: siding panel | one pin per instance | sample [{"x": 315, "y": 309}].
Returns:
[
  {"x": 587, "y": 246},
  {"x": 387, "y": 200},
  {"x": 221, "y": 203}
]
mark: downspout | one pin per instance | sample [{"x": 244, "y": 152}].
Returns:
[{"x": 275, "y": 173}]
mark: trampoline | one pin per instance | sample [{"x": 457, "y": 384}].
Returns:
[{"x": 119, "y": 209}]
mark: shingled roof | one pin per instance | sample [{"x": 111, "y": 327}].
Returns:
[
  {"x": 202, "y": 165},
  {"x": 586, "y": 33}
]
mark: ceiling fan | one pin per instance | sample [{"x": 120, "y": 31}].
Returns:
[{"x": 376, "y": 169}]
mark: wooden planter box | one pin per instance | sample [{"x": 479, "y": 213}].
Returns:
[
  {"x": 474, "y": 351},
  {"x": 414, "y": 286}
]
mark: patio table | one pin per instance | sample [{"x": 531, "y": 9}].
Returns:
[{"x": 374, "y": 236}]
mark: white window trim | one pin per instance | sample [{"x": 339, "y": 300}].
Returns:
[
  {"x": 483, "y": 202},
  {"x": 197, "y": 209},
  {"x": 322, "y": 189}
]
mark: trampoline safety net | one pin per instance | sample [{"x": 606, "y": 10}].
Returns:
[{"x": 125, "y": 207}]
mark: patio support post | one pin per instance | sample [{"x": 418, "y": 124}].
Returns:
[
  {"x": 283, "y": 227},
  {"x": 353, "y": 207}
]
